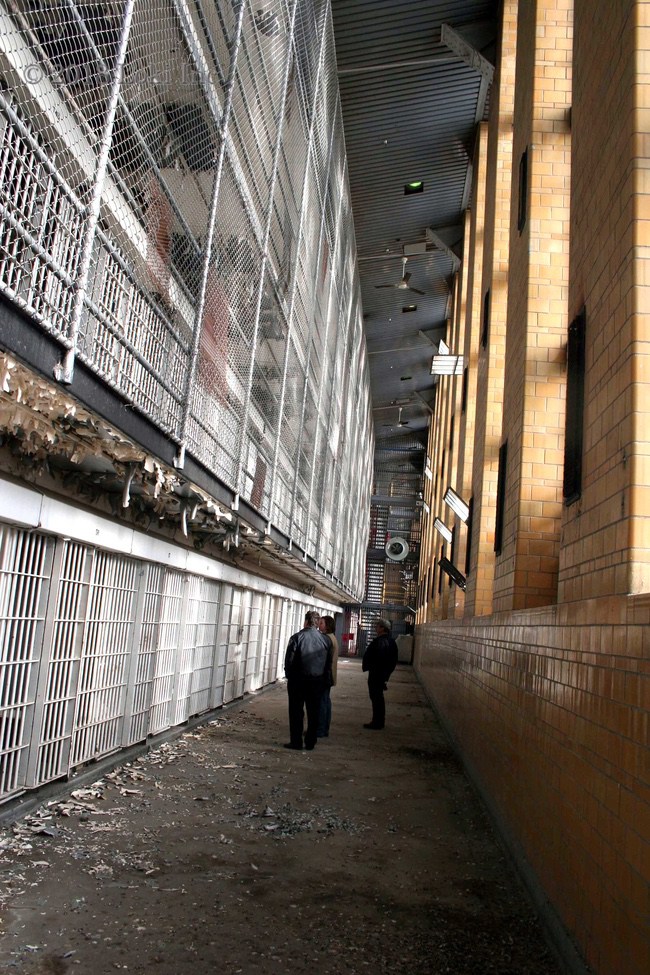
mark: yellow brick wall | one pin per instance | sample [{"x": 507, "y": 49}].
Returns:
[
  {"x": 606, "y": 534},
  {"x": 487, "y": 365},
  {"x": 468, "y": 347},
  {"x": 550, "y": 705},
  {"x": 550, "y": 709},
  {"x": 535, "y": 378}
]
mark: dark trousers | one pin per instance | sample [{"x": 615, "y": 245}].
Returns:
[
  {"x": 376, "y": 692},
  {"x": 325, "y": 715},
  {"x": 304, "y": 695}
]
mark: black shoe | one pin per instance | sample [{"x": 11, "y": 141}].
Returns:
[
  {"x": 374, "y": 727},
  {"x": 297, "y": 748},
  {"x": 309, "y": 748}
]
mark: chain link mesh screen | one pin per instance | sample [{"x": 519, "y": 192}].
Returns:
[{"x": 174, "y": 209}]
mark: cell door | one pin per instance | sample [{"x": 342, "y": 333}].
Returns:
[
  {"x": 25, "y": 567},
  {"x": 105, "y": 656}
]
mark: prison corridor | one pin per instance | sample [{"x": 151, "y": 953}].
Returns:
[{"x": 217, "y": 849}]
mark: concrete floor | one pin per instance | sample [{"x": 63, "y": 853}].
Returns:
[{"x": 223, "y": 851}]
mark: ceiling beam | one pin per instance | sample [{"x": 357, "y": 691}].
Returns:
[
  {"x": 433, "y": 342},
  {"x": 401, "y": 348},
  {"x": 464, "y": 50},
  {"x": 439, "y": 243},
  {"x": 395, "y": 502},
  {"x": 425, "y": 402},
  {"x": 389, "y": 65}
]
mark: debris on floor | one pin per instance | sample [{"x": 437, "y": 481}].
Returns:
[{"x": 219, "y": 851}]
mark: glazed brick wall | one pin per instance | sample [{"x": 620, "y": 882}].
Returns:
[
  {"x": 488, "y": 364},
  {"x": 550, "y": 709},
  {"x": 468, "y": 347},
  {"x": 452, "y": 386},
  {"x": 444, "y": 462},
  {"x": 432, "y": 495},
  {"x": 526, "y": 571},
  {"x": 606, "y": 534}
]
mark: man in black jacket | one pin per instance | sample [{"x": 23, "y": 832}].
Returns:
[
  {"x": 308, "y": 669},
  {"x": 380, "y": 660}
]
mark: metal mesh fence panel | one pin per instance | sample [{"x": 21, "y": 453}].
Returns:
[
  {"x": 41, "y": 222},
  {"x": 285, "y": 217},
  {"x": 227, "y": 328},
  {"x": 258, "y": 96},
  {"x": 288, "y": 448},
  {"x": 174, "y": 208},
  {"x": 155, "y": 208},
  {"x": 263, "y": 429},
  {"x": 309, "y": 26},
  {"x": 25, "y": 561}
]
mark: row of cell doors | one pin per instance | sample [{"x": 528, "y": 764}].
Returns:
[{"x": 99, "y": 651}]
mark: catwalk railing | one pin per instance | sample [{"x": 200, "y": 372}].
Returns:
[
  {"x": 99, "y": 651},
  {"x": 174, "y": 211}
]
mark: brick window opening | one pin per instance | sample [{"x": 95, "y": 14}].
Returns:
[
  {"x": 468, "y": 545},
  {"x": 522, "y": 207},
  {"x": 501, "y": 498},
  {"x": 485, "y": 329},
  {"x": 575, "y": 394},
  {"x": 452, "y": 554}
]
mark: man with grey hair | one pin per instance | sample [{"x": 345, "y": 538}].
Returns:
[
  {"x": 308, "y": 669},
  {"x": 379, "y": 660}
]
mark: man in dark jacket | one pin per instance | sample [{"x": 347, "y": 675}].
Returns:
[
  {"x": 308, "y": 669},
  {"x": 380, "y": 660}
]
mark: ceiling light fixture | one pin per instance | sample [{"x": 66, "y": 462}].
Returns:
[
  {"x": 447, "y": 365},
  {"x": 415, "y": 186},
  {"x": 442, "y": 529},
  {"x": 456, "y": 503},
  {"x": 407, "y": 308}
]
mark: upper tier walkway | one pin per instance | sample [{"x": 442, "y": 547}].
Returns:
[{"x": 221, "y": 851}]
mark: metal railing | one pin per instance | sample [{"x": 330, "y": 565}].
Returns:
[{"x": 174, "y": 210}]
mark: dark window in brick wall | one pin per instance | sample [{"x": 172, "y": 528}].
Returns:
[
  {"x": 501, "y": 497},
  {"x": 575, "y": 396}
]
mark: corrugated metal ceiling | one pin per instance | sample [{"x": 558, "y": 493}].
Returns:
[{"x": 412, "y": 93}]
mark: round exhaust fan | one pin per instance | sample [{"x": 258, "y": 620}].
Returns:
[{"x": 397, "y": 549}]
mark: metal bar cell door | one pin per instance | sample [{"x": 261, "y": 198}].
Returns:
[
  {"x": 103, "y": 676},
  {"x": 25, "y": 565}
]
